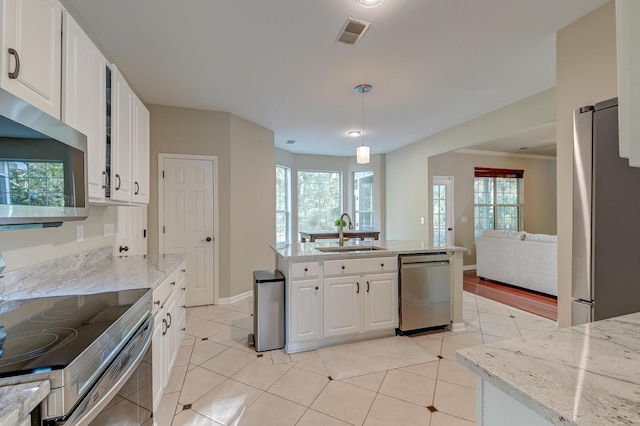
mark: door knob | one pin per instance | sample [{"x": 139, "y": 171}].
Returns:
[
  {"x": 449, "y": 229},
  {"x": 123, "y": 248},
  {"x": 208, "y": 240}
]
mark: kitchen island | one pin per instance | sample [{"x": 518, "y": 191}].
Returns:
[
  {"x": 583, "y": 375},
  {"x": 337, "y": 294}
]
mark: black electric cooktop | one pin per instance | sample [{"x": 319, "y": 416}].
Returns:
[{"x": 48, "y": 333}]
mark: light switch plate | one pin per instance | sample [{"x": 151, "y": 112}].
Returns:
[
  {"x": 463, "y": 219},
  {"x": 80, "y": 233}
]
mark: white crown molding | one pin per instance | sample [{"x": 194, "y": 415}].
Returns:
[{"x": 504, "y": 154}]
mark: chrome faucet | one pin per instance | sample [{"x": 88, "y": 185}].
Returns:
[{"x": 340, "y": 228}]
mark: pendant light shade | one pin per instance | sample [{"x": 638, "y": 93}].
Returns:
[{"x": 362, "y": 152}]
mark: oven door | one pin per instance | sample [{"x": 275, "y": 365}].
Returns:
[{"x": 122, "y": 396}]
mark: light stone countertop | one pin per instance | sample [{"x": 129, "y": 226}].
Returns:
[
  {"x": 308, "y": 251},
  {"x": 94, "y": 271},
  {"x": 582, "y": 375},
  {"x": 19, "y": 400}
]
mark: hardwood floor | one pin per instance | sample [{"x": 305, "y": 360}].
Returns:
[{"x": 536, "y": 303}]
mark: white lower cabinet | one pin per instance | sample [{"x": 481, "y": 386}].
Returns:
[
  {"x": 342, "y": 305},
  {"x": 169, "y": 327},
  {"x": 360, "y": 303},
  {"x": 306, "y": 310},
  {"x": 336, "y": 301},
  {"x": 381, "y": 301}
]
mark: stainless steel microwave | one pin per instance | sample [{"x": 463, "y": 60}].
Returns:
[{"x": 43, "y": 167}]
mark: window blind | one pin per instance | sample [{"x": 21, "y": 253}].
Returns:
[{"x": 498, "y": 173}]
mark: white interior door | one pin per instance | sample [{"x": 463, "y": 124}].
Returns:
[
  {"x": 442, "y": 210},
  {"x": 187, "y": 219}
]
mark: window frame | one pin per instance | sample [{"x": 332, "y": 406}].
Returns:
[
  {"x": 494, "y": 175},
  {"x": 287, "y": 196},
  {"x": 330, "y": 224},
  {"x": 356, "y": 201}
]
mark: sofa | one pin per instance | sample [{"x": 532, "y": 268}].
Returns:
[{"x": 521, "y": 259}]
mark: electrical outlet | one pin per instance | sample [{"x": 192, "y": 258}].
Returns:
[
  {"x": 422, "y": 221},
  {"x": 109, "y": 229},
  {"x": 80, "y": 233}
]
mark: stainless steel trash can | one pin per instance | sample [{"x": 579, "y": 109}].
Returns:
[{"x": 268, "y": 310}]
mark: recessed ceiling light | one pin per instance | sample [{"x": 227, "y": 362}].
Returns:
[
  {"x": 370, "y": 3},
  {"x": 354, "y": 133},
  {"x": 291, "y": 142}
]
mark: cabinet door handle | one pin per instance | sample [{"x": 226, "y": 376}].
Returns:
[
  {"x": 16, "y": 70},
  {"x": 172, "y": 283},
  {"x": 357, "y": 288},
  {"x": 118, "y": 179},
  {"x": 170, "y": 321},
  {"x": 157, "y": 302},
  {"x": 342, "y": 267},
  {"x": 105, "y": 182},
  {"x": 317, "y": 288},
  {"x": 382, "y": 265},
  {"x": 184, "y": 288},
  {"x": 306, "y": 269},
  {"x": 164, "y": 330},
  {"x": 123, "y": 248},
  {"x": 137, "y": 188},
  {"x": 183, "y": 270},
  {"x": 367, "y": 286}
]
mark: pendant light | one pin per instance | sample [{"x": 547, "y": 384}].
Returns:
[{"x": 362, "y": 153}]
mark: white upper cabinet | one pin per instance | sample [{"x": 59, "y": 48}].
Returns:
[
  {"x": 129, "y": 143},
  {"x": 627, "y": 39},
  {"x": 140, "y": 164},
  {"x": 31, "y": 43},
  {"x": 83, "y": 99}
]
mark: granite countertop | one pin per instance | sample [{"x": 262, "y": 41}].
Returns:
[
  {"x": 19, "y": 400},
  {"x": 94, "y": 271},
  {"x": 309, "y": 251},
  {"x": 583, "y": 375}
]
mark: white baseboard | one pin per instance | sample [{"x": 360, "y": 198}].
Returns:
[
  {"x": 468, "y": 267},
  {"x": 234, "y": 299}
]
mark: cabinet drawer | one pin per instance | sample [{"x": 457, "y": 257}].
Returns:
[
  {"x": 305, "y": 269},
  {"x": 360, "y": 266},
  {"x": 162, "y": 292}
]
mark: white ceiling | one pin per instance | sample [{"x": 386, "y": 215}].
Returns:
[{"x": 433, "y": 64}]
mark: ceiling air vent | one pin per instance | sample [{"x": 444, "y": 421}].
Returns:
[{"x": 352, "y": 31}]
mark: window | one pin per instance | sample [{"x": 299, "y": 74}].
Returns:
[
  {"x": 363, "y": 201},
  {"x": 319, "y": 200},
  {"x": 498, "y": 199},
  {"x": 283, "y": 204},
  {"x": 32, "y": 183}
]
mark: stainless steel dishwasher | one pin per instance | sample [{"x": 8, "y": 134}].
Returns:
[{"x": 425, "y": 291}]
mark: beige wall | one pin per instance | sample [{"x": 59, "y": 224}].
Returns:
[
  {"x": 346, "y": 166},
  {"x": 244, "y": 180},
  {"x": 586, "y": 74},
  {"x": 408, "y": 179},
  {"x": 32, "y": 246},
  {"x": 539, "y": 192}
]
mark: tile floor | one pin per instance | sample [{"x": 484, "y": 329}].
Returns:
[{"x": 219, "y": 380}]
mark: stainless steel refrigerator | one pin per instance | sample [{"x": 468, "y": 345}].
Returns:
[{"x": 606, "y": 219}]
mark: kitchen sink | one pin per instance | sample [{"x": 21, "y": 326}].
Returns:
[{"x": 342, "y": 249}]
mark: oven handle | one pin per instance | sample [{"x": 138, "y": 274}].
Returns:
[{"x": 114, "y": 378}]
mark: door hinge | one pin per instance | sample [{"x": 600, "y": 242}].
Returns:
[{"x": 164, "y": 230}]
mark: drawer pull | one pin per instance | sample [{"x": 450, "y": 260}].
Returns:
[
  {"x": 382, "y": 264},
  {"x": 172, "y": 283},
  {"x": 157, "y": 302},
  {"x": 183, "y": 329},
  {"x": 342, "y": 267},
  {"x": 306, "y": 269},
  {"x": 183, "y": 306},
  {"x": 317, "y": 288},
  {"x": 164, "y": 331},
  {"x": 184, "y": 288},
  {"x": 170, "y": 319},
  {"x": 183, "y": 270}
]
